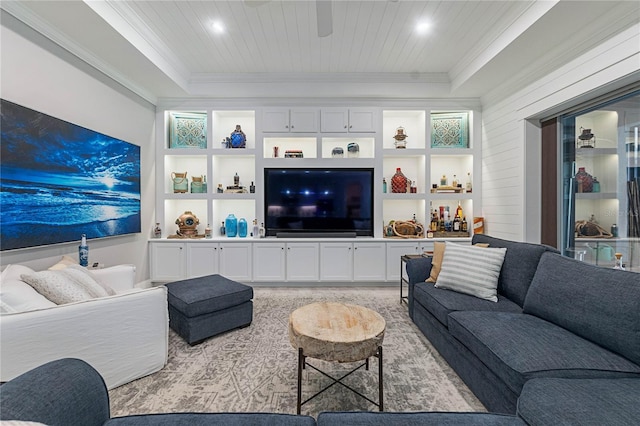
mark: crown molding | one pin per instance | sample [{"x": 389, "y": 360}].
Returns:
[
  {"x": 23, "y": 14},
  {"x": 286, "y": 77},
  {"x": 321, "y": 85}
]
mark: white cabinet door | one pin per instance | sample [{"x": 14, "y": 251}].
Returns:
[
  {"x": 425, "y": 247},
  {"x": 340, "y": 120},
  {"x": 394, "y": 252},
  {"x": 369, "y": 261},
  {"x": 202, "y": 259},
  {"x": 269, "y": 262},
  {"x": 283, "y": 120},
  {"x": 336, "y": 262},
  {"x": 304, "y": 120},
  {"x": 275, "y": 120},
  {"x": 167, "y": 261},
  {"x": 334, "y": 120},
  {"x": 362, "y": 120},
  {"x": 235, "y": 261},
  {"x": 302, "y": 262}
]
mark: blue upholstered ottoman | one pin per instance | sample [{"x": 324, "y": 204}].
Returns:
[{"x": 202, "y": 307}]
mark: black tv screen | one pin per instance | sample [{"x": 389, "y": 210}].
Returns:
[{"x": 309, "y": 201}]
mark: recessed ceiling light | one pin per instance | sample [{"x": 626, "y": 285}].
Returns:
[
  {"x": 217, "y": 27},
  {"x": 423, "y": 27}
]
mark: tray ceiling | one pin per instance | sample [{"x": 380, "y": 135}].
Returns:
[{"x": 271, "y": 48}]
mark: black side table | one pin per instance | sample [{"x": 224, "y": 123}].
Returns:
[{"x": 404, "y": 281}]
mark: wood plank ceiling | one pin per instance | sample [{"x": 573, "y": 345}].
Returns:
[{"x": 368, "y": 36}]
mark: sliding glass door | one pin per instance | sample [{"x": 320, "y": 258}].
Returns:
[{"x": 601, "y": 179}]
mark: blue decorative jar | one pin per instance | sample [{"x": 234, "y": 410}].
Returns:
[
  {"x": 237, "y": 139},
  {"x": 231, "y": 225},
  {"x": 353, "y": 150},
  {"x": 242, "y": 228}
]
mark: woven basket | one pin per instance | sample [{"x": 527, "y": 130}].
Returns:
[
  {"x": 585, "y": 228},
  {"x": 408, "y": 229}
]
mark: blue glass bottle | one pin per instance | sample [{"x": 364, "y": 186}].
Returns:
[
  {"x": 83, "y": 252},
  {"x": 231, "y": 225},
  {"x": 242, "y": 228}
]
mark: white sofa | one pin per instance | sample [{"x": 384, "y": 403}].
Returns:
[{"x": 123, "y": 336}]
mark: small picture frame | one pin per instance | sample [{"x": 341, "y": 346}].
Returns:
[
  {"x": 450, "y": 130},
  {"x": 188, "y": 130}
]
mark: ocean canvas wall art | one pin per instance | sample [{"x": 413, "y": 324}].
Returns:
[{"x": 59, "y": 180}]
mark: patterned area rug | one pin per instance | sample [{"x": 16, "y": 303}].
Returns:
[{"x": 255, "y": 369}]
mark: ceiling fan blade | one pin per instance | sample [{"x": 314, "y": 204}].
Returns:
[{"x": 324, "y": 16}]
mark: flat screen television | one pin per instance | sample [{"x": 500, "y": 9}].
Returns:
[
  {"x": 310, "y": 202},
  {"x": 59, "y": 180}
]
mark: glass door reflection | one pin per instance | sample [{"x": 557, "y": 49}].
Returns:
[{"x": 601, "y": 177}]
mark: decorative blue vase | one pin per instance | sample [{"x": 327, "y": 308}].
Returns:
[
  {"x": 231, "y": 225},
  {"x": 242, "y": 228}
]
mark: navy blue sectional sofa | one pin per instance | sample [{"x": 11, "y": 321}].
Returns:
[
  {"x": 70, "y": 392},
  {"x": 555, "y": 318}
]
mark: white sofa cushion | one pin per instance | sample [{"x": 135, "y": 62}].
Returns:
[
  {"x": 69, "y": 262},
  {"x": 63, "y": 263},
  {"x": 95, "y": 278},
  {"x": 65, "y": 286},
  {"x": 121, "y": 278},
  {"x": 18, "y": 296},
  {"x": 5, "y": 308}
]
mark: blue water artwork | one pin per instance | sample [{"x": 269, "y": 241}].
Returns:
[{"x": 59, "y": 181}]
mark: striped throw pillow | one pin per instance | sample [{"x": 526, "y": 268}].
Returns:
[{"x": 471, "y": 270}]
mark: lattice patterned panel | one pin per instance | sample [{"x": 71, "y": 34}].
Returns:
[
  {"x": 188, "y": 130},
  {"x": 450, "y": 130}
]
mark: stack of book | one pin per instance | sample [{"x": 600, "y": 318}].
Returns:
[
  {"x": 293, "y": 153},
  {"x": 235, "y": 189}
]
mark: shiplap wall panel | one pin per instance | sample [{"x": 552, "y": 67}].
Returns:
[{"x": 504, "y": 120}]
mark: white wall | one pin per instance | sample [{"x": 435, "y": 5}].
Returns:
[
  {"x": 510, "y": 147},
  {"x": 40, "y": 75}
]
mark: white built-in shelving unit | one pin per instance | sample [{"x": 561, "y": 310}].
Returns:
[{"x": 315, "y": 130}]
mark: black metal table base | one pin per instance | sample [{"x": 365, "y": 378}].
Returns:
[{"x": 302, "y": 364}]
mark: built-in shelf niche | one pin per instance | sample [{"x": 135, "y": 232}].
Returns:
[
  {"x": 414, "y": 124},
  {"x": 224, "y": 123},
  {"x": 450, "y": 165},
  {"x": 306, "y": 144},
  {"x": 366, "y": 147},
  {"x": 193, "y": 165},
  {"x": 412, "y": 166}
]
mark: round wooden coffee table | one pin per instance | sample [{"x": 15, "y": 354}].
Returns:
[{"x": 337, "y": 332}]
